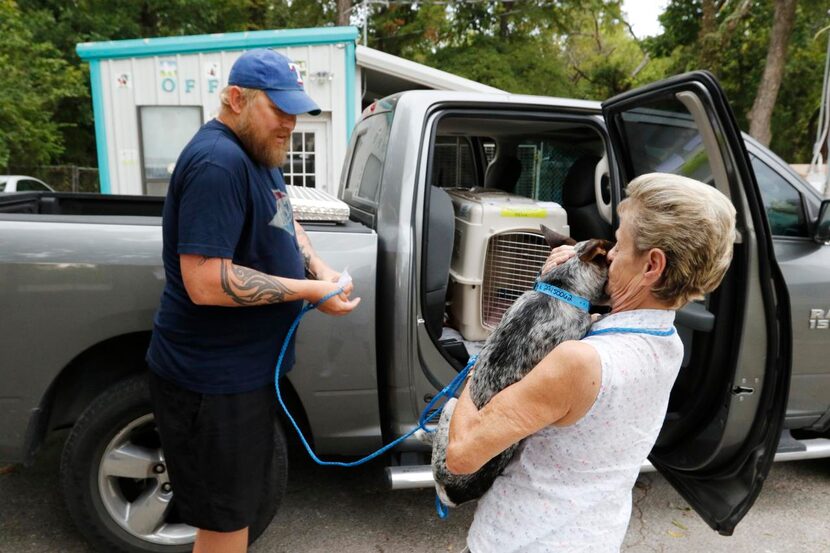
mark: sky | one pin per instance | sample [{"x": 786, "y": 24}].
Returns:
[{"x": 642, "y": 15}]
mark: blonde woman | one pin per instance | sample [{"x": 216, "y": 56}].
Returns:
[{"x": 591, "y": 411}]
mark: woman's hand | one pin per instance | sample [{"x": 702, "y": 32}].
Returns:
[{"x": 557, "y": 257}]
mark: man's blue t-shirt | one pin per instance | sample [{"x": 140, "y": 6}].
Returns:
[{"x": 220, "y": 203}]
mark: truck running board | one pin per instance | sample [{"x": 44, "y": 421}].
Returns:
[{"x": 420, "y": 476}]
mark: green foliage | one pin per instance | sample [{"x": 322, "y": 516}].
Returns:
[
  {"x": 575, "y": 48},
  {"x": 740, "y": 59},
  {"x": 33, "y": 81},
  {"x": 62, "y": 24},
  {"x": 572, "y": 48},
  {"x": 523, "y": 66},
  {"x": 604, "y": 59}
]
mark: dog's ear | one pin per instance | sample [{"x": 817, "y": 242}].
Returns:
[
  {"x": 554, "y": 239},
  {"x": 596, "y": 251}
]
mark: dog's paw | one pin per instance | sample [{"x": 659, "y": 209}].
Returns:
[
  {"x": 423, "y": 436},
  {"x": 442, "y": 495}
]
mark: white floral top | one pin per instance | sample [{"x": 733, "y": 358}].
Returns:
[{"x": 568, "y": 489}]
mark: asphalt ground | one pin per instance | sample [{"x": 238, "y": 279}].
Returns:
[{"x": 350, "y": 511}]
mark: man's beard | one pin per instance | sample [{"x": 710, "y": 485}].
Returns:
[{"x": 260, "y": 145}]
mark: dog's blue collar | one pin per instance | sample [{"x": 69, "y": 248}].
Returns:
[{"x": 560, "y": 294}]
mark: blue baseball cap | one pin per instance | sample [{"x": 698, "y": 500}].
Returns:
[{"x": 277, "y": 76}]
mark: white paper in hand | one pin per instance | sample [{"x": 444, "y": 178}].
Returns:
[{"x": 345, "y": 278}]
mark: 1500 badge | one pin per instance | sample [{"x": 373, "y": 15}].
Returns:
[{"x": 819, "y": 319}]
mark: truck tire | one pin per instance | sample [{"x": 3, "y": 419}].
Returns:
[{"x": 114, "y": 482}]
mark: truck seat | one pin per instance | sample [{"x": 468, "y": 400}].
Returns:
[
  {"x": 503, "y": 173},
  {"x": 580, "y": 202},
  {"x": 439, "y": 242}
]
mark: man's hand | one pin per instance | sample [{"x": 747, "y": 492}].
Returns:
[
  {"x": 557, "y": 257},
  {"x": 328, "y": 274},
  {"x": 337, "y": 305}
]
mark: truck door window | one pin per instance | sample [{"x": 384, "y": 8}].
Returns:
[
  {"x": 782, "y": 202},
  {"x": 663, "y": 138}
]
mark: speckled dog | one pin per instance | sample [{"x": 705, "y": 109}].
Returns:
[{"x": 529, "y": 330}]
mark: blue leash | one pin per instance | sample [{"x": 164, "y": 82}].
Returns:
[
  {"x": 628, "y": 330},
  {"x": 448, "y": 392}
]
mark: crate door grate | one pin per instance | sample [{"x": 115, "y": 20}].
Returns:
[{"x": 513, "y": 261}]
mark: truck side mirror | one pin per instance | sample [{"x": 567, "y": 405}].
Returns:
[{"x": 822, "y": 234}]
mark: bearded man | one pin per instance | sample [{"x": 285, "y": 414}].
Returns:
[{"x": 236, "y": 264}]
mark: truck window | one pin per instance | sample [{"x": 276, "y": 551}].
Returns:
[
  {"x": 453, "y": 165},
  {"x": 782, "y": 202},
  {"x": 26, "y": 185},
  {"x": 368, "y": 157},
  {"x": 663, "y": 138}
]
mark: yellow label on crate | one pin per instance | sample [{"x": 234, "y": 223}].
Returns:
[{"x": 535, "y": 212}]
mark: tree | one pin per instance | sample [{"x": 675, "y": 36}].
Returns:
[
  {"x": 604, "y": 57},
  {"x": 343, "y": 11},
  {"x": 760, "y": 115},
  {"x": 64, "y": 24},
  {"x": 742, "y": 34},
  {"x": 34, "y": 80},
  {"x": 571, "y": 47}
]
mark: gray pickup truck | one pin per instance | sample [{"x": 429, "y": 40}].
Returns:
[{"x": 446, "y": 192}]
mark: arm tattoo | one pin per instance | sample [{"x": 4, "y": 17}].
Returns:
[
  {"x": 307, "y": 263},
  {"x": 249, "y": 287}
]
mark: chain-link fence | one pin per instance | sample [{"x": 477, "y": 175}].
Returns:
[
  {"x": 63, "y": 178},
  {"x": 544, "y": 168}
]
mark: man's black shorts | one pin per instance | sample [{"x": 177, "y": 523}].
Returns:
[{"x": 218, "y": 449}]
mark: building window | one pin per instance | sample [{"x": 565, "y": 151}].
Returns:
[
  {"x": 165, "y": 130},
  {"x": 301, "y": 165}
]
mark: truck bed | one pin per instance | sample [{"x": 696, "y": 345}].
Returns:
[
  {"x": 64, "y": 203},
  {"x": 113, "y": 209}
]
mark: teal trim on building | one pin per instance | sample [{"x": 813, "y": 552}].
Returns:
[
  {"x": 96, "y": 52},
  {"x": 351, "y": 63},
  {"x": 211, "y": 43},
  {"x": 100, "y": 126}
]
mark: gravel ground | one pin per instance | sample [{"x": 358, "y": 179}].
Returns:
[{"x": 350, "y": 511}]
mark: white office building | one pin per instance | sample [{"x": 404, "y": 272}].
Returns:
[{"x": 151, "y": 95}]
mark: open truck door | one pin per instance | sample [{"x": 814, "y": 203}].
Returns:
[{"x": 727, "y": 406}]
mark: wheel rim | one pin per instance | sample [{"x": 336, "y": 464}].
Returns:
[{"x": 135, "y": 488}]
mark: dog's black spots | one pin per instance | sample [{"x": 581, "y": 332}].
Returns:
[{"x": 534, "y": 325}]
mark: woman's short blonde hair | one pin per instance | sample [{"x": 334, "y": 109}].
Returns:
[{"x": 691, "y": 222}]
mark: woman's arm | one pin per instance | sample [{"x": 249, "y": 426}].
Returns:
[{"x": 559, "y": 390}]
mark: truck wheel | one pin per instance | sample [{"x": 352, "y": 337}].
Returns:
[{"x": 115, "y": 484}]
